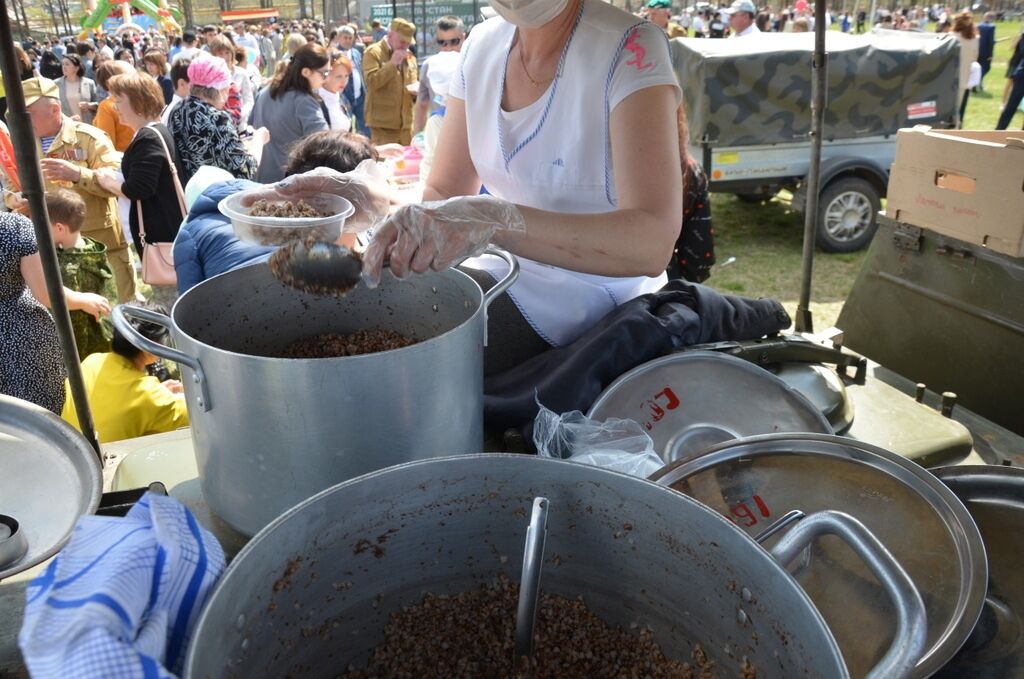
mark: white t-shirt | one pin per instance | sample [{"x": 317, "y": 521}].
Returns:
[
  {"x": 555, "y": 154},
  {"x": 336, "y": 116},
  {"x": 752, "y": 29}
]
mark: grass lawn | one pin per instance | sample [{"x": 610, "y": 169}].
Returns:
[{"x": 766, "y": 239}]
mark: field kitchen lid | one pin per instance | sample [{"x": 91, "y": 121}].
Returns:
[
  {"x": 756, "y": 481},
  {"x": 693, "y": 400}
]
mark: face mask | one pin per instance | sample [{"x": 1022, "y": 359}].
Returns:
[{"x": 528, "y": 13}]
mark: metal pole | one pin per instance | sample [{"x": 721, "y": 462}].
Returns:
[
  {"x": 819, "y": 89},
  {"x": 24, "y": 141}
]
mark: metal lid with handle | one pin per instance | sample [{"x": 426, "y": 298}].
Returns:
[
  {"x": 929, "y": 532},
  {"x": 691, "y": 401},
  {"x": 50, "y": 478}
]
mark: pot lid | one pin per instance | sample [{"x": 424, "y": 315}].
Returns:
[
  {"x": 51, "y": 476},
  {"x": 693, "y": 400},
  {"x": 995, "y": 498},
  {"x": 756, "y": 481}
]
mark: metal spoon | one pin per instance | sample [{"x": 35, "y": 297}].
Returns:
[
  {"x": 529, "y": 585},
  {"x": 317, "y": 267}
]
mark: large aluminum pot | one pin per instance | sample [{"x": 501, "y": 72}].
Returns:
[
  {"x": 270, "y": 432},
  {"x": 313, "y": 591}
]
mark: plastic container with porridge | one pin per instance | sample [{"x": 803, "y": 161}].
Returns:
[{"x": 276, "y": 222}]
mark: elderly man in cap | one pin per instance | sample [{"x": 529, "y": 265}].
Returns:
[
  {"x": 659, "y": 13},
  {"x": 71, "y": 152},
  {"x": 391, "y": 78},
  {"x": 741, "y": 18}
]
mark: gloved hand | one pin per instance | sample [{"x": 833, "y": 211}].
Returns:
[
  {"x": 438, "y": 234},
  {"x": 366, "y": 187}
]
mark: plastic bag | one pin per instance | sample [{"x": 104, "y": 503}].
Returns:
[{"x": 618, "y": 445}]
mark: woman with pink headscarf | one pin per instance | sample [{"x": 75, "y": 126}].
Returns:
[{"x": 202, "y": 130}]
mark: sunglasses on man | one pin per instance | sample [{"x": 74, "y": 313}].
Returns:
[{"x": 454, "y": 42}]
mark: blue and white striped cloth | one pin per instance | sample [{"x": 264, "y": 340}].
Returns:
[{"x": 123, "y": 596}]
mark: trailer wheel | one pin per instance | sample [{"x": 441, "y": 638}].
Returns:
[{"x": 847, "y": 210}]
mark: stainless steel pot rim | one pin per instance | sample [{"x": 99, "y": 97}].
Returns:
[
  {"x": 970, "y": 547},
  {"x": 422, "y": 345},
  {"x": 35, "y": 426},
  {"x": 473, "y": 459}
]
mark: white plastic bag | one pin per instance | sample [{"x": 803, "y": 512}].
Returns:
[{"x": 619, "y": 445}]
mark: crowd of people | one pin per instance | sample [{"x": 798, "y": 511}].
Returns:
[
  {"x": 124, "y": 125},
  {"x": 142, "y": 135}
]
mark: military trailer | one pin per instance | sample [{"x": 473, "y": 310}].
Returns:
[{"x": 748, "y": 103}]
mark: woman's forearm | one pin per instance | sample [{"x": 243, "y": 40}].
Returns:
[{"x": 621, "y": 243}]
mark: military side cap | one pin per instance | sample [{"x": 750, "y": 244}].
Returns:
[
  {"x": 659, "y": 4},
  {"x": 37, "y": 88},
  {"x": 404, "y": 28}
]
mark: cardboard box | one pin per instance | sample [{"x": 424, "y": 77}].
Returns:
[{"x": 964, "y": 184}]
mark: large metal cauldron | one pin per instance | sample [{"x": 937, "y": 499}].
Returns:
[
  {"x": 270, "y": 432},
  {"x": 313, "y": 591}
]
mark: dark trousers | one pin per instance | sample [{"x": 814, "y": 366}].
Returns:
[
  {"x": 358, "y": 106},
  {"x": 986, "y": 66},
  {"x": 1016, "y": 95},
  {"x": 963, "y": 106}
]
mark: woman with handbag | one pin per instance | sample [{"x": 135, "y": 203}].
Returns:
[{"x": 149, "y": 178}]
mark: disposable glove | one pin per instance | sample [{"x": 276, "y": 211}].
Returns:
[
  {"x": 437, "y": 235},
  {"x": 366, "y": 187}
]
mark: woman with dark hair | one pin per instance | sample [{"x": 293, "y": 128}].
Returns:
[
  {"x": 79, "y": 97},
  {"x": 49, "y": 65},
  {"x": 126, "y": 401},
  {"x": 967, "y": 35},
  {"x": 25, "y": 71},
  {"x": 290, "y": 108},
  {"x": 156, "y": 66},
  {"x": 126, "y": 55}
]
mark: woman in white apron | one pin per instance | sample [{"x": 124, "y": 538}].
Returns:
[{"x": 565, "y": 111}]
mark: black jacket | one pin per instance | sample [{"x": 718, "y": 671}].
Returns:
[
  {"x": 572, "y": 377},
  {"x": 147, "y": 178}
]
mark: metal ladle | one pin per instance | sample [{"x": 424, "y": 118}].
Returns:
[
  {"x": 529, "y": 585},
  {"x": 317, "y": 267}
]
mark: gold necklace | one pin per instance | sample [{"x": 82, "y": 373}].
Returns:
[{"x": 522, "y": 62}]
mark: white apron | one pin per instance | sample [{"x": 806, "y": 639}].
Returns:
[{"x": 555, "y": 154}]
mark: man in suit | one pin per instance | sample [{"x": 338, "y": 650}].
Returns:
[{"x": 355, "y": 91}]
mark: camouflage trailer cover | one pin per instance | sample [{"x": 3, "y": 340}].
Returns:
[{"x": 757, "y": 89}]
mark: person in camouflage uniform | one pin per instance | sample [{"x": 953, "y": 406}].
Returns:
[{"x": 83, "y": 267}]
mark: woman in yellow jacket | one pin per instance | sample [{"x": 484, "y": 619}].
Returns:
[{"x": 126, "y": 402}]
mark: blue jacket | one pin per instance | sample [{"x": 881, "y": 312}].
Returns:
[
  {"x": 350, "y": 88},
  {"x": 206, "y": 244}
]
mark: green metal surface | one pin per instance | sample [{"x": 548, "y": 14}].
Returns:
[{"x": 943, "y": 312}]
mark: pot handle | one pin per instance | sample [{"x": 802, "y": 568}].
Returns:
[
  {"x": 506, "y": 282},
  {"x": 502, "y": 285},
  {"x": 911, "y": 622},
  {"x": 120, "y": 315}
]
